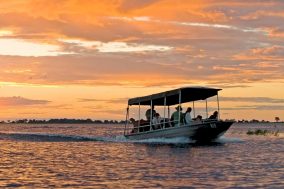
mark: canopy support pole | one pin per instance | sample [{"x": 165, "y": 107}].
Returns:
[
  {"x": 165, "y": 103},
  {"x": 218, "y": 106},
  {"x": 206, "y": 109},
  {"x": 169, "y": 112},
  {"x": 139, "y": 116},
  {"x": 126, "y": 119},
  {"x": 179, "y": 101},
  {"x": 151, "y": 116},
  {"x": 193, "y": 109}
]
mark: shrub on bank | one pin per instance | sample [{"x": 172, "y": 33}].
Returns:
[{"x": 262, "y": 132}]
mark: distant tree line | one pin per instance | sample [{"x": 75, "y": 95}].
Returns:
[
  {"x": 253, "y": 121},
  {"x": 64, "y": 121},
  {"x": 248, "y": 121},
  {"x": 90, "y": 121}
]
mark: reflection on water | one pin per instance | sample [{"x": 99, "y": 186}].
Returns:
[{"x": 95, "y": 156}]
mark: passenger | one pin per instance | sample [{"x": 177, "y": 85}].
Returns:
[
  {"x": 177, "y": 115},
  {"x": 214, "y": 115},
  {"x": 135, "y": 125},
  {"x": 187, "y": 116},
  {"x": 198, "y": 119},
  {"x": 156, "y": 121},
  {"x": 132, "y": 120},
  {"x": 148, "y": 113}
]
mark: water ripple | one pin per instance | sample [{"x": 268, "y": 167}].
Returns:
[{"x": 74, "y": 156}]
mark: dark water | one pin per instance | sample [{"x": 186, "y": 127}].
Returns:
[{"x": 97, "y": 156}]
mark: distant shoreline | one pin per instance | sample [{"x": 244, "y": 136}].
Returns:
[
  {"x": 62, "y": 121},
  {"x": 90, "y": 121},
  {"x": 258, "y": 123}
]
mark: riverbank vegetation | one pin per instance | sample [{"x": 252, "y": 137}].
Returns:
[
  {"x": 262, "y": 132},
  {"x": 63, "y": 121}
]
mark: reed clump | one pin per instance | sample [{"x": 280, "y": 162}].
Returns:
[{"x": 262, "y": 132}]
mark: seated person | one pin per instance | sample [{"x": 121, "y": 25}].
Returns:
[
  {"x": 187, "y": 116},
  {"x": 166, "y": 122},
  {"x": 198, "y": 119},
  {"x": 177, "y": 115},
  {"x": 156, "y": 121},
  {"x": 214, "y": 115},
  {"x": 144, "y": 122},
  {"x": 143, "y": 125},
  {"x": 135, "y": 125},
  {"x": 148, "y": 113}
]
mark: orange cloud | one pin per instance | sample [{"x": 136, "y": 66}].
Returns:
[
  {"x": 20, "y": 101},
  {"x": 271, "y": 53},
  {"x": 262, "y": 13},
  {"x": 275, "y": 32}
]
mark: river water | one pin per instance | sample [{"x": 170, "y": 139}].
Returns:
[{"x": 98, "y": 156}]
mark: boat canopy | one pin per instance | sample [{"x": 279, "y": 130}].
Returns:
[{"x": 188, "y": 94}]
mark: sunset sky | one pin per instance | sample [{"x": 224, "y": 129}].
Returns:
[{"x": 85, "y": 58}]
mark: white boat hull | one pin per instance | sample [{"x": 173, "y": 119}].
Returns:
[{"x": 199, "y": 132}]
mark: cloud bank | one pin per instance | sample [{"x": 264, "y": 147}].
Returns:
[
  {"x": 118, "y": 43},
  {"x": 21, "y": 101}
]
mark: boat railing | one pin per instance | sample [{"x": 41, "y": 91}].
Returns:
[
  {"x": 209, "y": 120},
  {"x": 145, "y": 126}
]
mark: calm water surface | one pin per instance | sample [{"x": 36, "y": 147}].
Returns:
[{"x": 97, "y": 156}]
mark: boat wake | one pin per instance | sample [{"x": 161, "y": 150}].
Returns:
[
  {"x": 223, "y": 139},
  {"x": 177, "y": 140},
  {"x": 45, "y": 137}
]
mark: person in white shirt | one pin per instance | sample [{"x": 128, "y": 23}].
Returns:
[
  {"x": 187, "y": 116},
  {"x": 156, "y": 121}
]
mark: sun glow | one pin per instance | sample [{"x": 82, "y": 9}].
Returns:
[
  {"x": 116, "y": 46},
  {"x": 4, "y": 33},
  {"x": 19, "y": 47}
]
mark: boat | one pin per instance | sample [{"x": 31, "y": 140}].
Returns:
[{"x": 200, "y": 131}]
